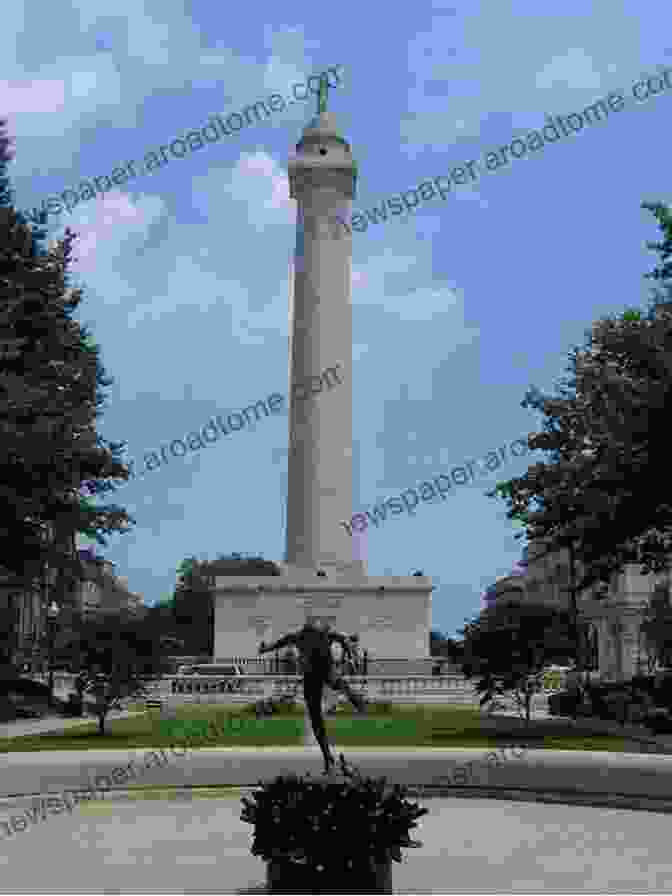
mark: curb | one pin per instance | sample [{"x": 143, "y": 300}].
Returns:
[
  {"x": 176, "y": 794},
  {"x": 629, "y": 802}
]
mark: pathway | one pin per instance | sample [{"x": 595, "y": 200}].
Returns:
[{"x": 469, "y": 846}]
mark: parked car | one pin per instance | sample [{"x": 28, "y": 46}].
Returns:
[
  {"x": 217, "y": 670},
  {"x": 562, "y": 703}
]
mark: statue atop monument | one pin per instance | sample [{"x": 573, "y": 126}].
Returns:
[{"x": 322, "y": 94}]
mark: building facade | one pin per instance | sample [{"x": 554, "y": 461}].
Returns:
[
  {"x": 23, "y": 617},
  {"x": 22, "y": 621},
  {"x": 24, "y": 635},
  {"x": 613, "y": 614},
  {"x": 101, "y": 591}
]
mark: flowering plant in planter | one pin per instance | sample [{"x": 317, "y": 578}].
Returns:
[{"x": 339, "y": 823}]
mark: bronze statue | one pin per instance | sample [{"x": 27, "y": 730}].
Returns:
[{"x": 317, "y": 663}]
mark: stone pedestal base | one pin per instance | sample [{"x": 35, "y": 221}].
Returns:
[{"x": 391, "y": 614}]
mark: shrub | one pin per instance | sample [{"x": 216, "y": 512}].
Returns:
[
  {"x": 623, "y": 702},
  {"x": 598, "y": 701},
  {"x": 663, "y": 691},
  {"x": 286, "y": 705},
  {"x": 74, "y": 707},
  {"x": 24, "y": 687},
  {"x": 562, "y": 704},
  {"x": 330, "y": 824},
  {"x": 658, "y": 721}
]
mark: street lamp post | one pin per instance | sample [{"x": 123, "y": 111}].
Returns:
[
  {"x": 639, "y": 642},
  {"x": 52, "y": 615}
]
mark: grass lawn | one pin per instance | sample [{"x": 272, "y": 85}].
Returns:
[{"x": 409, "y": 725}]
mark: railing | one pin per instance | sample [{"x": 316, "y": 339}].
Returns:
[
  {"x": 450, "y": 689},
  {"x": 62, "y": 680},
  {"x": 274, "y": 664},
  {"x": 202, "y": 688},
  {"x": 260, "y": 665}
]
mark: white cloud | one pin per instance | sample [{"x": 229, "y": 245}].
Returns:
[
  {"x": 382, "y": 283},
  {"x": 539, "y": 69},
  {"x": 105, "y": 226},
  {"x": 256, "y": 181},
  {"x": 32, "y": 97},
  {"x": 111, "y": 64},
  {"x": 575, "y": 68}
]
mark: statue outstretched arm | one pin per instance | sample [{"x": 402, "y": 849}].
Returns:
[
  {"x": 343, "y": 640},
  {"x": 281, "y": 642}
]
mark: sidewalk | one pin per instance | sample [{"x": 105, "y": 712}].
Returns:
[{"x": 469, "y": 847}]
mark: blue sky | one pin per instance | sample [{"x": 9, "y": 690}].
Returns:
[{"x": 458, "y": 307}]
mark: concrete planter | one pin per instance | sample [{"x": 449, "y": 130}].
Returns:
[{"x": 292, "y": 877}]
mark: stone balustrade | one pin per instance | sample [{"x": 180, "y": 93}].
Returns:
[
  {"x": 247, "y": 688},
  {"x": 176, "y": 689}
]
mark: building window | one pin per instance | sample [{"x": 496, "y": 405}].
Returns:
[{"x": 660, "y": 597}]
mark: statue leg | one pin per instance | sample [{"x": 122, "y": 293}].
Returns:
[
  {"x": 312, "y": 692},
  {"x": 340, "y": 684}
]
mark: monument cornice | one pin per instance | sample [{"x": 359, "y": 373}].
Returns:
[{"x": 388, "y": 585}]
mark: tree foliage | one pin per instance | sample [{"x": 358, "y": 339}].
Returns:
[
  {"x": 193, "y": 600},
  {"x": 440, "y": 645},
  {"x": 51, "y": 382},
  {"x": 605, "y": 492},
  {"x": 116, "y": 654},
  {"x": 507, "y": 647},
  {"x": 193, "y": 607}
]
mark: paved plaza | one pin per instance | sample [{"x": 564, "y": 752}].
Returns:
[{"x": 470, "y": 846}]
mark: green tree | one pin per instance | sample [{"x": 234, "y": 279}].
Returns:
[
  {"x": 117, "y": 655},
  {"x": 194, "y": 607},
  {"x": 50, "y": 394},
  {"x": 507, "y": 647},
  {"x": 193, "y": 598},
  {"x": 604, "y": 495},
  {"x": 440, "y": 645}
]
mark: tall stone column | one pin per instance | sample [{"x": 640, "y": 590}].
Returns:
[
  {"x": 322, "y": 176},
  {"x": 324, "y": 570}
]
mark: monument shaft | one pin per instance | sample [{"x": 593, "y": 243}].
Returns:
[{"x": 322, "y": 179}]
